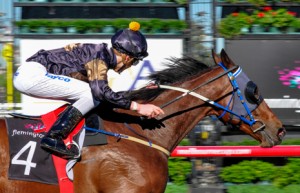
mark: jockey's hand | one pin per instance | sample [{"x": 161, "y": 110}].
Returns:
[{"x": 148, "y": 110}]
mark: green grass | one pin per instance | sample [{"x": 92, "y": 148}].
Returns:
[
  {"x": 242, "y": 188},
  {"x": 254, "y": 188},
  {"x": 172, "y": 188}
]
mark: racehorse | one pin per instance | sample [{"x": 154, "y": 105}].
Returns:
[{"x": 188, "y": 91}]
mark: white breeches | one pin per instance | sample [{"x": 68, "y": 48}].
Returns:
[{"x": 33, "y": 79}]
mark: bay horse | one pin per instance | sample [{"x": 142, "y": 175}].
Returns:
[{"x": 188, "y": 90}]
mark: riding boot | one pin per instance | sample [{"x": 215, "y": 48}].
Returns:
[{"x": 63, "y": 126}]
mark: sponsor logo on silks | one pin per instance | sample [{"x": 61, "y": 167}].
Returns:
[
  {"x": 16, "y": 73},
  {"x": 63, "y": 78}
]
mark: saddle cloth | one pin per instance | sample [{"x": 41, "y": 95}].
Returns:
[
  {"x": 28, "y": 161},
  {"x": 31, "y": 163}
]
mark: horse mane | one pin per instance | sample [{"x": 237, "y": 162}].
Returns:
[{"x": 178, "y": 70}]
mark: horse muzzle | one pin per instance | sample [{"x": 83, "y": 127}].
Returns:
[
  {"x": 270, "y": 139},
  {"x": 281, "y": 133}
]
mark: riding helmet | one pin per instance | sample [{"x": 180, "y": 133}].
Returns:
[{"x": 131, "y": 41}]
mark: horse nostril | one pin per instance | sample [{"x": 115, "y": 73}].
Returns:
[{"x": 281, "y": 133}]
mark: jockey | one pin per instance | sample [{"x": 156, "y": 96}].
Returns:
[{"x": 77, "y": 73}]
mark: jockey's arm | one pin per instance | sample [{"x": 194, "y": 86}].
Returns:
[{"x": 97, "y": 76}]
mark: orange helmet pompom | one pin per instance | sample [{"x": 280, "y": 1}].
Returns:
[{"x": 134, "y": 26}]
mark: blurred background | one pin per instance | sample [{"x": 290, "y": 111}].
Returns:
[{"x": 259, "y": 35}]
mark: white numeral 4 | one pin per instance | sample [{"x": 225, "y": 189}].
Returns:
[{"x": 31, "y": 145}]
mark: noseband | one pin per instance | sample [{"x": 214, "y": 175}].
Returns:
[{"x": 241, "y": 107}]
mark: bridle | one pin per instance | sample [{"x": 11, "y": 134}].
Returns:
[
  {"x": 236, "y": 91},
  {"x": 185, "y": 92}
]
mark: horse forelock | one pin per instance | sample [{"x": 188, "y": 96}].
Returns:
[{"x": 177, "y": 70}]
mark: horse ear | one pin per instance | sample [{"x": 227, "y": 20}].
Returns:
[
  {"x": 216, "y": 58},
  {"x": 225, "y": 59}
]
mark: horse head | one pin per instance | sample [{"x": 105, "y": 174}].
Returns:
[{"x": 256, "y": 118}]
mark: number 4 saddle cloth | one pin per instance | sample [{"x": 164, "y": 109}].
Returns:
[{"x": 29, "y": 162}]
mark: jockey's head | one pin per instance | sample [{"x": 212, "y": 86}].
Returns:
[{"x": 131, "y": 42}]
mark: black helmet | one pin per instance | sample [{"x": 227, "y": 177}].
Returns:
[{"x": 130, "y": 41}]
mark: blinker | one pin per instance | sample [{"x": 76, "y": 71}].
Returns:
[
  {"x": 252, "y": 94},
  {"x": 246, "y": 97}
]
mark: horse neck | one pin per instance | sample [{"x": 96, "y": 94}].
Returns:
[{"x": 183, "y": 115}]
